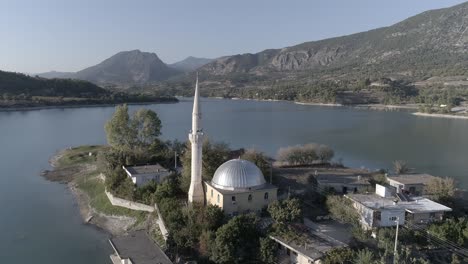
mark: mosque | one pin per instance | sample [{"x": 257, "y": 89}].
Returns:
[{"x": 238, "y": 186}]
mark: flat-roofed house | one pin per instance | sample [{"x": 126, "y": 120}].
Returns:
[
  {"x": 141, "y": 175},
  {"x": 136, "y": 248},
  {"x": 343, "y": 183},
  {"x": 383, "y": 209},
  {"x": 413, "y": 184}
]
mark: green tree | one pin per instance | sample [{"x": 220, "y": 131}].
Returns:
[
  {"x": 267, "y": 250},
  {"x": 259, "y": 159},
  {"x": 339, "y": 256},
  {"x": 443, "y": 189},
  {"x": 286, "y": 211},
  {"x": 214, "y": 217},
  {"x": 147, "y": 126},
  {"x": 119, "y": 132},
  {"x": 237, "y": 241},
  {"x": 364, "y": 256},
  {"x": 454, "y": 230},
  {"x": 342, "y": 209}
]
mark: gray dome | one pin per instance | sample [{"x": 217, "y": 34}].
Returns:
[{"x": 238, "y": 174}]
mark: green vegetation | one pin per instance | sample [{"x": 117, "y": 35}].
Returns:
[
  {"x": 441, "y": 189},
  {"x": 455, "y": 230},
  {"x": 19, "y": 90},
  {"x": 401, "y": 167},
  {"x": 305, "y": 155},
  {"x": 342, "y": 210},
  {"x": 286, "y": 211},
  {"x": 79, "y": 155}
]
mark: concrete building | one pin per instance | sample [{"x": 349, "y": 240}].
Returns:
[
  {"x": 343, "y": 183},
  {"x": 141, "y": 175},
  {"x": 311, "y": 248},
  {"x": 238, "y": 186},
  {"x": 136, "y": 248},
  {"x": 383, "y": 209},
  {"x": 413, "y": 184}
]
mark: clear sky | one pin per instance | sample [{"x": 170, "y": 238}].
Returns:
[{"x": 68, "y": 35}]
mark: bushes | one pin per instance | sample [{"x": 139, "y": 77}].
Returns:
[{"x": 306, "y": 154}]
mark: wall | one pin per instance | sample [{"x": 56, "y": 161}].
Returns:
[
  {"x": 242, "y": 204},
  {"x": 128, "y": 204},
  {"x": 386, "y": 215}
]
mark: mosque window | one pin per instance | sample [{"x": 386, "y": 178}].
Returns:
[
  {"x": 211, "y": 192},
  {"x": 218, "y": 198},
  {"x": 266, "y": 196},
  {"x": 250, "y": 198},
  {"x": 233, "y": 198}
]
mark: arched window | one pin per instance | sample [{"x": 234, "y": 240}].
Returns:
[
  {"x": 211, "y": 192},
  {"x": 218, "y": 198},
  {"x": 266, "y": 196},
  {"x": 250, "y": 198}
]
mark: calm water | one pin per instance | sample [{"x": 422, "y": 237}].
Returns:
[{"x": 40, "y": 222}]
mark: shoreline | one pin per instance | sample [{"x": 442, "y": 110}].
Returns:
[
  {"x": 440, "y": 115},
  {"x": 46, "y": 107}
]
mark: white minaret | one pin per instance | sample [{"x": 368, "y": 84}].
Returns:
[{"x": 196, "y": 193}]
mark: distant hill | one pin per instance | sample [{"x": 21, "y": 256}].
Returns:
[
  {"x": 14, "y": 84},
  {"x": 190, "y": 64},
  {"x": 128, "y": 67},
  {"x": 385, "y": 65},
  {"x": 56, "y": 74}
]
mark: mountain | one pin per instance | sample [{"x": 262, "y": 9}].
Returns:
[
  {"x": 56, "y": 74},
  {"x": 190, "y": 64},
  {"x": 433, "y": 43},
  {"x": 128, "y": 68}
]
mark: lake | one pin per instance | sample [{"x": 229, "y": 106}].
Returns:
[{"x": 40, "y": 221}]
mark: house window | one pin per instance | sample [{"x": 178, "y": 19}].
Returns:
[
  {"x": 250, "y": 198},
  {"x": 211, "y": 192},
  {"x": 218, "y": 198},
  {"x": 233, "y": 198},
  {"x": 266, "y": 196},
  {"x": 393, "y": 218}
]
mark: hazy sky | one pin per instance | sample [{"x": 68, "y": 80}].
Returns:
[{"x": 66, "y": 35}]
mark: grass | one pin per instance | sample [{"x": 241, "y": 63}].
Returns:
[
  {"x": 95, "y": 189},
  {"x": 80, "y": 155}
]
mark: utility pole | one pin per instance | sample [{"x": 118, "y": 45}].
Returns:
[
  {"x": 175, "y": 160},
  {"x": 396, "y": 240}
]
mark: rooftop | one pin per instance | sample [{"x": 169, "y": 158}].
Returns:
[
  {"x": 416, "y": 205},
  {"x": 350, "y": 179},
  {"x": 145, "y": 169},
  {"x": 139, "y": 248},
  {"x": 314, "y": 244},
  {"x": 416, "y": 178}
]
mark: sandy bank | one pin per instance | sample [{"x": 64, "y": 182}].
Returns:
[{"x": 440, "y": 115}]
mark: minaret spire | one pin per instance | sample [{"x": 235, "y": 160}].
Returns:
[{"x": 196, "y": 192}]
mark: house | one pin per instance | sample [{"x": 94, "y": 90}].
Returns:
[
  {"x": 413, "y": 184},
  {"x": 136, "y": 248},
  {"x": 141, "y": 175},
  {"x": 350, "y": 183},
  {"x": 385, "y": 207},
  {"x": 311, "y": 247}
]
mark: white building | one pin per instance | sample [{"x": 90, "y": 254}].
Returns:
[
  {"x": 382, "y": 209},
  {"x": 238, "y": 186},
  {"x": 413, "y": 184},
  {"x": 141, "y": 175}
]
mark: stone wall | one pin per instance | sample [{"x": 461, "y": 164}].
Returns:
[{"x": 128, "y": 204}]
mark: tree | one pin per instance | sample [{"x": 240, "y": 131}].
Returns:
[
  {"x": 286, "y": 211},
  {"x": 325, "y": 153},
  {"x": 237, "y": 241},
  {"x": 267, "y": 250},
  {"x": 147, "y": 126},
  {"x": 400, "y": 167},
  {"x": 443, "y": 189},
  {"x": 364, "y": 256},
  {"x": 167, "y": 189},
  {"x": 342, "y": 209},
  {"x": 118, "y": 130},
  {"x": 454, "y": 230},
  {"x": 214, "y": 217},
  {"x": 259, "y": 159},
  {"x": 339, "y": 256}
]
